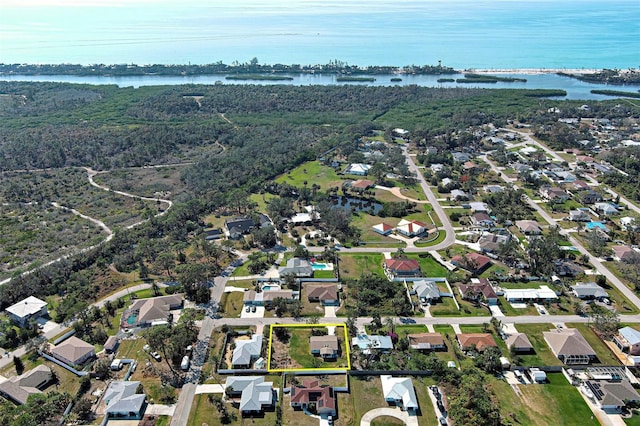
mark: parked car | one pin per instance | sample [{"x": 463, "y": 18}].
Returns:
[
  {"x": 156, "y": 356},
  {"x": 253, "y": 309},
  {"x": 247, "y": 309}
]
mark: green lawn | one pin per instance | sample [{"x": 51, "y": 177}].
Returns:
[
  {"x": 204, "y": 412},
  {"x": 300, "y": 351},
  {"x": 312, "y": 172},
  {"x": 355, "y": 265},
  {"x": 556, "y": 402},
  {"x": 323, "y": 274},
  {"x": 429, "y": 241},
  {"x": 602, "y": 351},
  {"x": 510, "y": 311},
  {"x": 232, "y": 303},
  {"x": 543, "y": 355},
  {"x": 365, "y": 221},
  {"x": 429, "y": 266}
]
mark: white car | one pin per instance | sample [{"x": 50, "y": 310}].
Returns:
[{"x": 156, "y": 356}]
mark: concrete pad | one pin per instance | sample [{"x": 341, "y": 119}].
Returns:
[
  {"x": 160, "y": 409},
  {"x": 331, "y": 330},
  {"x": 495, "y": 311},
  {"x": 259, "y": 313},
  {"x": 329, "y": 311},
  {"x": 509, "y": 328},
  {"x": 230, "y": 289},
  {"x": 209, "y": 388},
  {"x": 456, "y": 328}
]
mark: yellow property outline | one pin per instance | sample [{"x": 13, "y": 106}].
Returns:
[{"x": 346, "y": 345}]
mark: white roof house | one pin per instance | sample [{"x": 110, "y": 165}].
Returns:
[
  {"x": 26, "y": 309},
  {"x": 123, "y": 401},
  {"x": 523, "y": 294},
  {"x": 427, "y": 289},
  {"x": 359, "y": 169},
  {"x": 399, "y": 390},
  {"x": 256, "y": 394},
  {"x": 589, "y": 290}
]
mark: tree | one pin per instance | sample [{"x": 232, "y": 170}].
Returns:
[
  {"x": 605, "y": 322},
  {"x": 489, "y": 360},
  {"x": 82, "y": 408},
  {"x": 265, "y": 237},
  {"x": 18, "y": 364},
  {"x": 166, "y": 261}
]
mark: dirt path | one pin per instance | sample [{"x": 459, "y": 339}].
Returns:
[
  {"x": 228, "y": 121},
  {"x": 397, "y": 192}
]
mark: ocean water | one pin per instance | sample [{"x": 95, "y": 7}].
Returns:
[{"x": 460, "y": 33}]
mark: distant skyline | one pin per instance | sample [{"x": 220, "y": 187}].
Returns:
[{"x": 461, "y": 33}]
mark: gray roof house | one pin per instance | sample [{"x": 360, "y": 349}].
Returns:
[
  {"x": 238, "y": 226},
  {"x": 325, "y": 346},
  {"x": 426, "y": 289},
  {"x": 18, "y": 389},
  {"x": 579, "y": 215},
  {"x": 298, "y": 267},
  {"x": 73, "y": 351},
  {"x": 255, "y": 394},
  {"x": 519, "y": 342},
  {"x": 589, "y": 291},
  {"x": 399, "y": 391},
  {"x": 246, "y": 351},
  {"x": 612, "y": 397},
  {"x": 122, "y": 401}
]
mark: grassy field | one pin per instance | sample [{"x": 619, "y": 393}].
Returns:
[
  {"x": 365, "y": 221},
  {"x": 300, "y": 351},
  {"x": 543, "y": 355},
  {"x": 165, "y": 182},
  {"x": 232, "y": 303},
  {"x": 551, "y": 403},
  {"x": 355, "y": 265},
  {"x": 312, "y": 172},
  {"x": 429, "y": 266},
  {"x": 428, "y": 242},
  {"x": 204, "y": 412},
  {"x": 602, "y": 351}
]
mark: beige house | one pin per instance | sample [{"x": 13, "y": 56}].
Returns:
[
  {"x": 325, "y": 346},
  {"x": 73, "y": 351}
]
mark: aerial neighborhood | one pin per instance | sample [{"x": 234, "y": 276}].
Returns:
[{"x": 386, "y": 277}]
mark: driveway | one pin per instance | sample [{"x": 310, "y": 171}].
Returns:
[
  {"x": 259, "y": 313},
  {"x": 391, "y": 412},
  {"x": 160, "y": 409}
]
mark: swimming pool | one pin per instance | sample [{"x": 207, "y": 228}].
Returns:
[
  {"x": 593, "y": 225},
  {"x": 322, "y": 266},
  {"x": 270, "y": 287},
  {"x": 132, "y": 318}
]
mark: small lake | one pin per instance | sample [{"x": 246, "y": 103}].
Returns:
[{"x": 356, "y": 204}]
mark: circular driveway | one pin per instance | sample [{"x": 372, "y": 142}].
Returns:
[{"x": 391, "y": 412}]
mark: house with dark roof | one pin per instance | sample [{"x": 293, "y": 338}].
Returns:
[
  {"x": 569, "y": 346},
  {"x": 589, "y": 196},
  {"x": 482, "y": 220},
  {"x": 311, "y": 392},
  {"x": 362, "y": 185},
  {"x": 326, "y": 347},
  {"x": 612, "y": 397},
  {"x": 18, "y": 389},
  {"x": 111, "y": 345},
  {"x": 326, "y": 294},
  {"x": 401, "y": 268},
  {"x": 239, "y": 226},
  {"x": 491, "y": 243},
  {"x": 472, "y": 262},
  {"x": 479, "y": 341},
  {"x": 553, "y": 194},
  {"x": 519, "y": 342},
  {"x": 266, "y": 297},
  {"x": 426, "y": 342},
  {"x": 479, "y": 291},
  {"x": 565, "y": 268},
  {"x": 151, "y": 310}
]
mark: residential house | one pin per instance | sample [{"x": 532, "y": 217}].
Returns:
[
  {"x": 579, "y": 215},
  {"x": 296, "y": 266},
  {"x": 437, "y": 168},
  {"x": 529, "y": 227},
  {"x": 111, "y": 345},
  {"x": 565, "y": 177},
  {"x": 588, "y": 290},
  {"x": 483, "y": 220},
  {"x": 266, "y": 297},
  {"x": 519, "y": 343},
  {"x": 569, "y": 346},
  {"x": 479, "y": 206},
  {"x": 426, "y": 342},
  {"x": 629, "y": 223},
  {"x": 491, "y": 243},
  {"x": 612, "y": 397},
  {"x": 493, "y": 189},
  {"x": 426, "y": 291},
  {"x": 479, "y": 341},
  {"x": 311, "y": 392},
  {"x": 123, "y": 401},
  {"x": 325, "y": 346},
  {"x": 461, "y": 157},
  {"x": 18, "y": 389},
  {"x": 412, "y": 228},
  {"x": 213, "y": 234},
  {"x": 255, "y": 394},
  {"x": 399, "y": 391},
  {"x": 628, "y": 340},
  {"x": 325, "y": 294},
  {"x": 367, "y": 343},
  {"x": 362, "y": 185},
  {"x": 523, "y": 295},
  {"x": 606, "y": 209},
  {"x": 480, "y": 290},
  {"x": 580, "y": 185},
  {"x": 446, "y": 183},
  {"x": 458, "y": 194},
  {"x": 73, "y": 351},
  {"x": 152, "y": 310},
  {"x": 565, "y": 268},
  {"x": 589, "y": 197},
  {"x": 553, "y": 194},
  {"x": 473, "y": 262},
  {"x": 239, "y": 226},
  {"x": 246, "y": 352},
  {"x": 382, "y": 228},
  {"x": 358, "y": 169},
  {"x": 401, "y": 268},
  {"x": 625, "y": 254},
  {"x": 27, "y": 309}
]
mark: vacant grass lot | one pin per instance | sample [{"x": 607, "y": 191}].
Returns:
[
  {"x": 429, "y": 266},
  {"x": 232, "y": 303},
  {"x": 556, "y": 402},
  {"x": 313, "y": 172},
  {"x": 356, "y": 265},
  {"x": 159, "y": 182}
]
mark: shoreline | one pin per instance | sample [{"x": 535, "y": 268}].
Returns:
[{"x": 533, "y": 71}]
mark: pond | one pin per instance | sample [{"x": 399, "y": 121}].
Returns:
[{"x": 357, "y": 204}]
